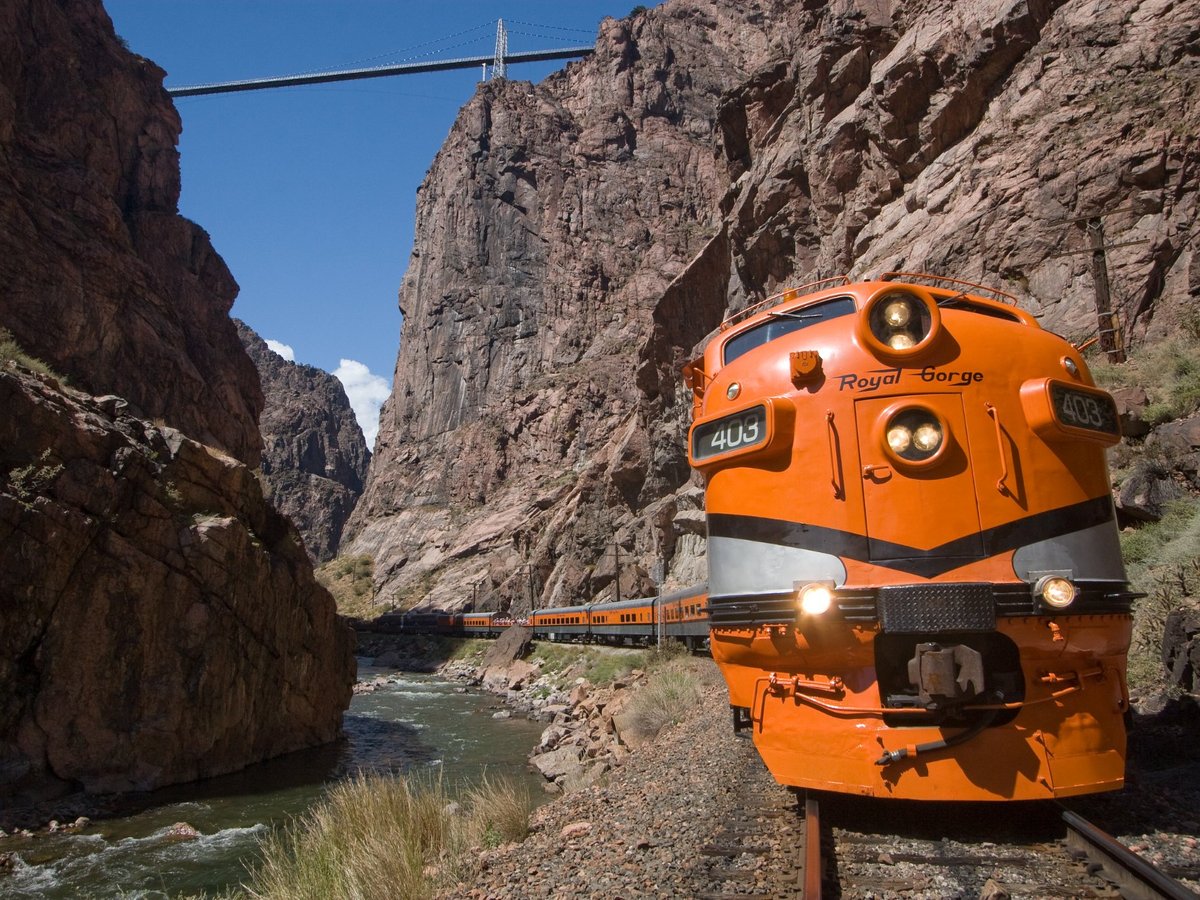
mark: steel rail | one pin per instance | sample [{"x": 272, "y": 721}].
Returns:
[
  {"x": 1136, "y": 878},
  {"x": 812, "y": 848},
  {"x": 467, "y": 62}
]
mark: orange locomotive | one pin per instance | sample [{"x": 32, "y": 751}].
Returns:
[{"x": 915, "y": 584}]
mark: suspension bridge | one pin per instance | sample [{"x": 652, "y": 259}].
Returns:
[{"x": 500, "y": 60}]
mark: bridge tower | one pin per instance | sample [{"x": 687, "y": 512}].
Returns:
[{"x": 498, "y": 67}]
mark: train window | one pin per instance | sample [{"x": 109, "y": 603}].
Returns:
[{"x": 781, "y": 323}]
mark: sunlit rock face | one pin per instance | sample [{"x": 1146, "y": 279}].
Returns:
[
  {"x": 578, "y": 239},
  {"x": 99, "y": 274},
  {"x": 314, "y": 454},
  {"x": 159, "y": 621}
]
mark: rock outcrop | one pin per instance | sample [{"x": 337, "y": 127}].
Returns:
[
  {"x": 161, "y": 621},
  {"x": 100, "y": 277},
  {"x": 314, "y": 454},
  {"x": 577, "y": 239}
]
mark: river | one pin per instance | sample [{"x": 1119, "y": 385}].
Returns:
[{"x": 418, "y": 724}]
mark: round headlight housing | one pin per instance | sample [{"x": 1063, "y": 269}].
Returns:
[
  {"x": 1056, "y": 591},
  {"x": 899, "y": 322},
  {"x": 915, "y": 435},
  {"x": 814, "y": 599}
]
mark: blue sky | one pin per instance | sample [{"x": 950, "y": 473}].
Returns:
[{"x": 309, "y": 192}]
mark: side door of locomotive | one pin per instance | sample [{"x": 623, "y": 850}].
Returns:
[{"x": 922, "y": 517}]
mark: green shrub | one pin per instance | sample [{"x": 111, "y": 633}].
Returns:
[
  {"x": 27, "y": 482},
  {"x": 1169, "y": 373}
]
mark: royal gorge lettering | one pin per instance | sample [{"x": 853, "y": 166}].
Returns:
[
  {"x": 872, "y": 381},
  {"x": 879, "y": 378}
]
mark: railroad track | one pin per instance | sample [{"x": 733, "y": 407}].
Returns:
[
  {"x": 881, "y": 849},
  {"x": 757, "y": 849},
  {"x": 1135, "y": 878},
  {"x": 773, "y": 844}
]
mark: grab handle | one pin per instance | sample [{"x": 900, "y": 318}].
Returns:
[
  {"x": 835, "y": 463},
  {"x": 1002, "y": 482}
]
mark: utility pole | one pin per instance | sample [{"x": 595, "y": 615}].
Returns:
[
  {"x": 617, "y": 568},
  {"x": 1107, "y": 322},
  {"x": 1111, "y": 340}
]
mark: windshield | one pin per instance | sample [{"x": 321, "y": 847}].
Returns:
[{"x": 781, "y": 323}]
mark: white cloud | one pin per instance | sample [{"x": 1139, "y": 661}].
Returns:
[
  {"x": 282, "y": 349},
  {"x": 367, "y": 392}
]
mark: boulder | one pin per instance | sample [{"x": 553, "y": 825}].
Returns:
[
  {"x": 1181, "y": 648},
  {"x": 1131, "y": 405},
  {"x": 512, "y": 645},
  {"x": 557, "y": 763}
]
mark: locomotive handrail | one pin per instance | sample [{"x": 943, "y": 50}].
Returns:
[
  {"x": 835, "y": 461},
  {"x": 1002, "y": 482},
  {"x": 835, "y": 710},
  {"x": 790, "y": 294},
  {"x": 1001, "y": 296}
]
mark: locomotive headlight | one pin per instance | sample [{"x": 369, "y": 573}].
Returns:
[
  {"x": 815, "y": 599},
  {"x": 897, "y": 313},
  {"x": 899, "y": 322},
  {"x": 914, "y": 435},
  {"x": 1056, "y": 591},
  {"x": 928, "y": 437},
  {"x": 899, "y": 438}
]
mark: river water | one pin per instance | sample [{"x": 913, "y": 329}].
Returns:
[{"x": 419, "y": 724}]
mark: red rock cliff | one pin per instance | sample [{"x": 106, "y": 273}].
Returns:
[
  {"x": 577, "y": 239},
  {"x": 159, "y": 621},
  {"x": 99, "y": 275}
]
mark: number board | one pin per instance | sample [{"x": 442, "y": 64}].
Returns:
[
  {"x": 1084, "y": 409},
  {"x": 743, "y": 429}
]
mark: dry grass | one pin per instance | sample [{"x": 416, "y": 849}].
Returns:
[
  {"x": 349, "y": 580},
  {"x": 1168, "y": 371},
  {"x": 1163, "y": 562},
  {"x": 669, "y": 692},
  {"x": 11, "y": 352},
  {"x": 378, "y": 836}
]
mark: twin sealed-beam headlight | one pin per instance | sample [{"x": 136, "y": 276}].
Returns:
[
  {"x": 1056, "y": 591},
  {"x": 814, "y": 599},
  {"x": 898, "y": 323},
  {"x": 914, "y": 435},
  {"x": 900, "y": 320}
]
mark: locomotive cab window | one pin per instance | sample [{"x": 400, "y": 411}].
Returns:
[{"x": 781, "y": 323}]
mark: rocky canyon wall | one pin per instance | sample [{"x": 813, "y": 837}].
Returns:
[
  {"x": 159, "y": 621},
  {"x": 577, "y": 239},
  {"x": 101, "y": 277},
  {"x": 314, "y": 454}
]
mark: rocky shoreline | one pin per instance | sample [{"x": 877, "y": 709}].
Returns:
[
  {"x": 637, "y": 815},
  {"x": 589, "y": 728}
]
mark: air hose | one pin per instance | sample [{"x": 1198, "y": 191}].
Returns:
[{"x": 894, "y": 756}]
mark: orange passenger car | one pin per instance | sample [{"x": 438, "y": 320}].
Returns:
[{"x": 915, "y": 585}]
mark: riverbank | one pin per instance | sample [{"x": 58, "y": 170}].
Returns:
[
  {"x": 599, "y": 703},
  {"x": 423, "y": 726},
  {"x": 646, "y": 825}
]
